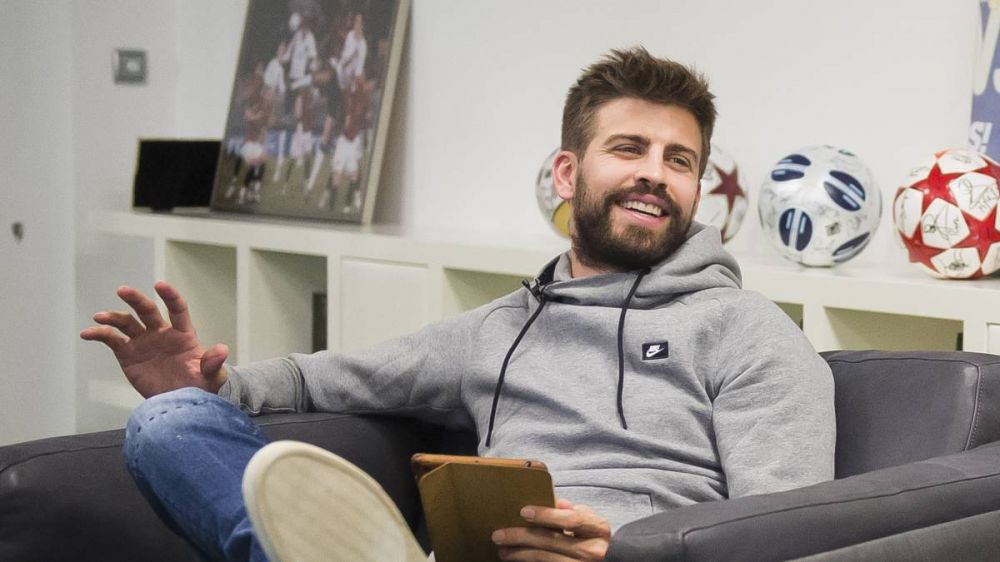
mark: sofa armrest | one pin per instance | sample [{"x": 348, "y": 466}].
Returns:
[
  {"x": 914, "y": 498},
  {"x": 70, "y": 498}
]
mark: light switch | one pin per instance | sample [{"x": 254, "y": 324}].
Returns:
[{"x": 128, "y": 66}]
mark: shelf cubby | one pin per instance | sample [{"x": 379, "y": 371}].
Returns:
[
  {"x": 863, "y": 329},
  {"x": 377, "y": 300},
  {"x": 793, "y": 310},
  {"x": 205, "y": 275},
  {"x": 464, "y": 290},
  {"x": 280, "y": 305}
]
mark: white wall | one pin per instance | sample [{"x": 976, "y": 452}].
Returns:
[
  {"x": 207, "y": 43},
  {"x": 36, "y": 275},
  {"x": 890, "y": 81},
  {"x": 109, "y": 120},
  {"x": 483, "y": 84},
  {"x": 481, "y": 95}
]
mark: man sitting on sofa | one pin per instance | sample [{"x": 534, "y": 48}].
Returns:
[{"x": 634, "y": 366}]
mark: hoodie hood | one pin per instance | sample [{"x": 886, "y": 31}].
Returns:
[{"x": 700, "y": 263}]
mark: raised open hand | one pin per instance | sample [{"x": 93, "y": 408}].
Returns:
[{"x": 157, "y": 356}]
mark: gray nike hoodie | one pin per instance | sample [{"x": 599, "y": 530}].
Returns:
[{"x": 641, "y": 391}]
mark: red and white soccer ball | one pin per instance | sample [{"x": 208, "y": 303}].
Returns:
[
  {"x": 723, "y": 199},
  {"x": 946, "y": 215}
]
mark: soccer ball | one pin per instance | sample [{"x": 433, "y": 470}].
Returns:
[
  {"x": 819, "y": 206},
  {"x": 723, "y": 199},
  {"x": 555, "y": 210},
  {"x": 945, "y": 213}
]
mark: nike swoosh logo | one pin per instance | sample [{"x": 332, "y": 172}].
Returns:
[{"x": 652, "y": 351}]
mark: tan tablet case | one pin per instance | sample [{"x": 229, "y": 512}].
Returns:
[{"x": 465, "y": 503}]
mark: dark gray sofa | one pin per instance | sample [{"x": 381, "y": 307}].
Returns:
[{"x": 918, "y": 478}]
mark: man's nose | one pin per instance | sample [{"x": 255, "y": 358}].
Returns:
[{"x": 651, "y": 171}]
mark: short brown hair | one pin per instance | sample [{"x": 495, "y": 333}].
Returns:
[{"x": 636, "y": 73}]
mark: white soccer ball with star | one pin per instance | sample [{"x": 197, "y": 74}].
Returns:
[
  {"x": 723, "y": 199},
  {"x": 946, "y": 215},
  {"x": 819, "y": 206}
]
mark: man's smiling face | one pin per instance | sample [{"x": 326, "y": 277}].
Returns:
[{"x": 636, "y": 189}]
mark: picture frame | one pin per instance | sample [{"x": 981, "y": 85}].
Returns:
[{"x": 310, "y": 108}]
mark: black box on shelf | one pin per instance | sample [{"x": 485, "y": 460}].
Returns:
[{"x": 174, "y": 173}]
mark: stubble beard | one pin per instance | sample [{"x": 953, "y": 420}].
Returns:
[{"x": 597, "y": 244}]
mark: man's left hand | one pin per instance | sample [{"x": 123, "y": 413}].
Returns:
[{"x": 565, "y": 532}]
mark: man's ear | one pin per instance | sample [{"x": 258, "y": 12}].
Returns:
[{"x": 564, "y": 168}]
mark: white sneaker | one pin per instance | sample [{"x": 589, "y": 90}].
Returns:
[{"x": 307, "y": 504}]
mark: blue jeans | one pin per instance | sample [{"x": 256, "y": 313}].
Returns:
[{"x": 187, "y": 451}]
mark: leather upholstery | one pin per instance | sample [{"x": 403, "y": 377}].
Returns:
[
  {"x": 899, "y": 407},
  {"x": 824, "y": 517}
]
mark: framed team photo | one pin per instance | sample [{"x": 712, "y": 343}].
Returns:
[{"x": 310, "y": 108}]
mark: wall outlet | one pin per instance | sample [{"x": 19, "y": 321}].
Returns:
[{"x": 128, "y": 66}]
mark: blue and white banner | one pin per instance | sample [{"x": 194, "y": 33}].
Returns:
[{"x": 983, "y": 133}]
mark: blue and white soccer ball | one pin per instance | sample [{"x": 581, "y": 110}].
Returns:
[{"x": 819, "y": 206}]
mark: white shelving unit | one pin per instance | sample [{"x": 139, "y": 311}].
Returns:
[{"x": 250, "y": 282}]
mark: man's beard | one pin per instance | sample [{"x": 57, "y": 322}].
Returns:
[{"x": 598, "y": 245}]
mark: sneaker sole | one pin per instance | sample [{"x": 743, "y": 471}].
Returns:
[{"x": 307, "y": 504}]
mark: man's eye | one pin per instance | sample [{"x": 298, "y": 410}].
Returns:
[
  {"x": 680, "y": 161},
  {"x": 629, "y": 149}
]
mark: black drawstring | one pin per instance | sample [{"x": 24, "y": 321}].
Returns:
[
  {"x": 538, "y": 292},
  {"x": 621, "y": 348}
]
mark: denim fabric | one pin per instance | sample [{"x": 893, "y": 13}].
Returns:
[{"x": 186, "y": 451}]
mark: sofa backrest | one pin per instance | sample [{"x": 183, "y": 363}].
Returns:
[
  {"x": 899, "y": 407},
  {"x": 70, "y": 498}
]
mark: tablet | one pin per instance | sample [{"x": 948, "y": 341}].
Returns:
[{"x": 465, "y": 499}]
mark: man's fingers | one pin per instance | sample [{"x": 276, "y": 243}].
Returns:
[
  {"x": 538, "y": 543},
  {"x": 213, "y": 359},
  {"x": 124, "y": 321},
  {"x": 144, "y": 307},
  {"x": 535, "y": 538},
  {"x": 592, "y": 524},
  {"x": 580, "y": 520},
  {"x": 212, "y": 367},
  {"x": 106, "y": 335},
  {"x": 517, "y": 554},
  {"x": 177, "y": 307}
]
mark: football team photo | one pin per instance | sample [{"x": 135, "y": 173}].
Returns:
[{"x": 311, "y": 97}]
